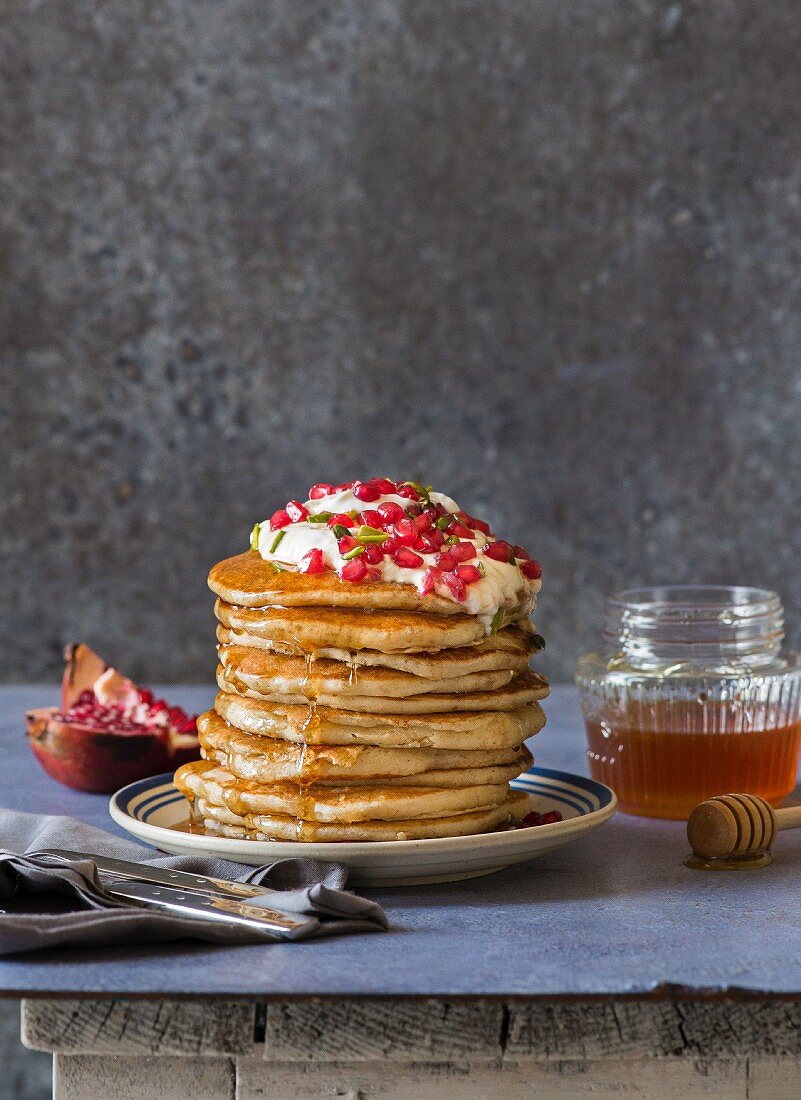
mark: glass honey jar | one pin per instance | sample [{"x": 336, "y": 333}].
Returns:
[{"x": 693, "y": 696}]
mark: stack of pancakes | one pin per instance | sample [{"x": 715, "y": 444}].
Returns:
[{"x": 360, "y": 712}]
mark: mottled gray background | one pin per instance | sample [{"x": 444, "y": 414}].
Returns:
[{"x": 544, "y": 254}]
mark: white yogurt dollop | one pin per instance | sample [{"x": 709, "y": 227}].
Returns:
[{"x": 503, "y": 586}]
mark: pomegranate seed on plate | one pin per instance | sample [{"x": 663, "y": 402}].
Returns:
[
  {"x": 373, "y": 553},
  {"x": 281, "y": 518},
  {"x": 296, "y": 511},
  {"x": 499, "y": 551},
  {"x": 354, "y": 570},
  {"x": 320, "y": 490},
  {"x": 407, "y": 558},
  {"x": 365, "y": 491},
  {"x": 468, "y": 573},
  {"x": 390, "y": 511},
  {"x": 531, "y": 569},
  {"x": 445, "y": 560},
  {"x": 312, "y": 561},
  {"x": 373, "y": 518}
]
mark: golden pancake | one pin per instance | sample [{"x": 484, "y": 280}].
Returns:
[
  {"x": 275, "y": 676},
  {"x": 494, "y": 653},
  {"x": 524, "y": 688},
  {"x": 307, "y": 630},
  {"x": 283, "y": 827},
  {"x": 332, "y": 726},
  {"x": 249, "y": 580},
  {"x": 267, "y": 759},
  {"x": 328, "y": 803}
]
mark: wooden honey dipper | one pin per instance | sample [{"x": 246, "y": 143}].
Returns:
[{"x": 736, "y": 830}]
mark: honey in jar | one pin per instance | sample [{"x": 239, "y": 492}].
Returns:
[{"x": 692, "y": 697}]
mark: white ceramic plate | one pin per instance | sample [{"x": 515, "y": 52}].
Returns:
[{"x": 151, "y": 808}]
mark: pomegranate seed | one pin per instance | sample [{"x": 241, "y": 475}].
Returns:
[
  {"x": 499, "y": 551},
  {"x": 342, "y": 519},
  {"x": 354, "y": 570},
  {"x": 455, "y": 586},
  {"x": 188, "y": 726},
  {"x": 281, "y": 518},
  {"x": 446, "y": 561},
  {"x": 530, "y": 819},
  {"x": 404, "y": 531},
  {"x": 430, "y": 578},
  {"x": 550, "y": 817},
  {"x": 425, "y": 544},
  {"x": 390, "y": 511},
  {"x": 343, "y": 486},
  {"x": 373, "y": 553},
  {"x": 384, "y": 485},
  {"x": 407, "y": 558},
  {"x": 422, "y": 523},
  {"x": 373, "y": 518},
  {"x": 146, "y": 696},
  {"x": 159, "y": 706},
  {"x": 462, "y": 551},
  {"x": 320, "y": 490},
  {"x": 296, "y": 511},
  {"x": 347, "y": 543},
  {"x": 459, "y": 530},
  {"x": 389, "y": 546},
  {"x": 365, "y": 491},
  {"x": 468, "y": 573},
  {"x": 414, "y": 510},
  {"x": 471, "y": 521},
  {"x": 436, "y": 536},
  {"x": 407, "y": 491},
  {"x": 312, "y": 561},
  {"x": 521, "y": 552},
  {"x": 531, "y": 569}
]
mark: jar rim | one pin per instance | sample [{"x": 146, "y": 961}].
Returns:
[{"x": 696, "y": 601}]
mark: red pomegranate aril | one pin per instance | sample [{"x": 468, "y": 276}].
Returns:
[
  {"x": 407, "y": 491},
  {"x": 430, "y": 578},
  {"x": 498, "y": 551},
  {"x": 446, "y": 560},
  {"x": 389, "y": 546},
  {"x": 468, "y": 573},
  {"x": 436, "y": 536},
  {"x": 341, "y": 519},
  {"x": 404, "y": 531},
  {"x": 414, "y": 510},
  {"x": 343, "y": 486},
  {"x": 312, "y": 562},
  {"x": 422, "y": 523},
  {"x": 320, "y": 490},
  {"x": 278, "y": 519},
  {"x": 407, "y": 558},
  {"x": 384, "y": 485},
  {"x": 532, "y": 570},
  {"x": 458, "y": 529},
  {"x": 146, "y": 696},
  {"x": 372, "y": 517},
  {"x": 425, "y": 544},
  {"x": 521, "y": 553},
  {"x": 390, "y": 512},
  {"x": 354, "y": 570},
  {"x": 455, "y": 585},
  {"x": 347, "y": 543},
  {"x": 365, "y": 491},
  {"x": 373, "y": 553},
  {"x": 296, "y": 511},
  {"x": 462, "y": 551},
  {"x": 550, "y": 818},
  {"x": 476, "y": 524}
]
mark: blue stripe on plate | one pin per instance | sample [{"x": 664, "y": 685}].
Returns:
[
  {"x": 597, "y": 790},
  {"x": 528, "y": 782},
  {"x": 143, "y": 804},
  {"x": 159, "y": 804}
]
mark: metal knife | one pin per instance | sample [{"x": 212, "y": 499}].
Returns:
[{"x": 163, "y": 876}]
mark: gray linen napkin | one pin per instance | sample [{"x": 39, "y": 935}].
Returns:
[{"x": 46, "y": 903}]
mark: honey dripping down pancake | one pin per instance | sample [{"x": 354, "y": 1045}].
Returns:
[{"x": 373, "y": 673}]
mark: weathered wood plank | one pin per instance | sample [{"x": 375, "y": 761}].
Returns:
[
  {"x": 89, "y": 1077},
  {"x": 370, "y": 1031},
  {"x": 651, "y": 1079},
  {"x": 139, "y": 1027}
]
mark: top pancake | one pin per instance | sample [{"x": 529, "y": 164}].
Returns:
[{"x": 248, "y": 580}]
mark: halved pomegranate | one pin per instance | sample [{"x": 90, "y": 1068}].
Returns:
[{"x": 107, "y": 732}]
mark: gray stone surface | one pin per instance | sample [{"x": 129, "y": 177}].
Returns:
[{"x": 545, "y": 255}]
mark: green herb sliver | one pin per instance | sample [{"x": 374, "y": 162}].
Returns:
[
  {"x": 254, "y": 536},
  {"x": 354, "y": 553},
  {"x": 497, "y": 621},
  {"x": 276, "y": 541},
  {"x": 319, "y": 517}
]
